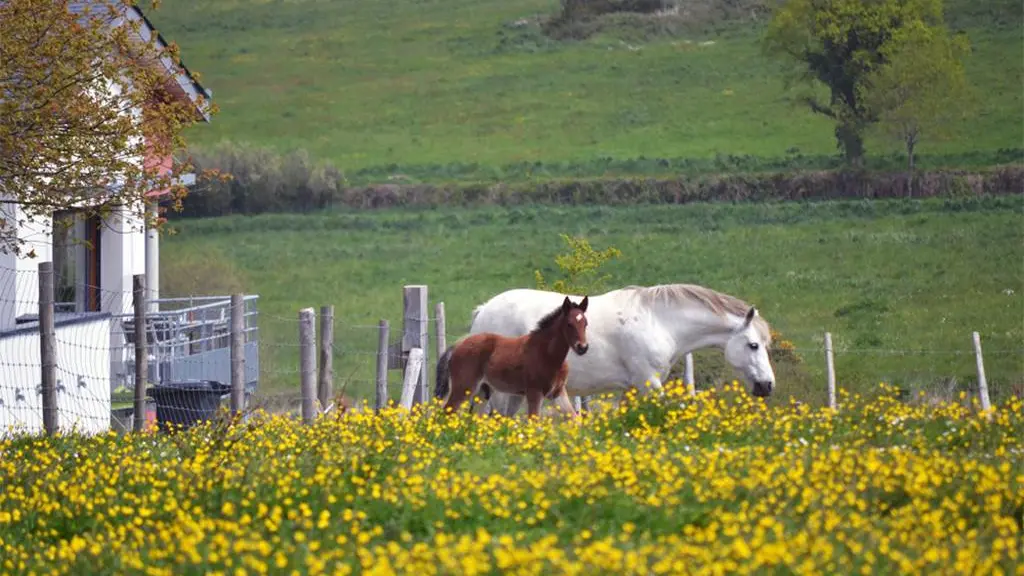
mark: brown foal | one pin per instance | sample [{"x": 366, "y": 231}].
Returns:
[{"x": 532, "y": 365}]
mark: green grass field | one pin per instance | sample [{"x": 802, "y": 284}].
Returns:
[
  {"x": 714, "y": 485},
  {"x": 900, "y": 284},
  {"x": 717, "y": 484},
  {"x": 415, "y": 88}
]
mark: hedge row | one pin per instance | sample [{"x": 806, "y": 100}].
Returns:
[{"x": 230, "y": 198}]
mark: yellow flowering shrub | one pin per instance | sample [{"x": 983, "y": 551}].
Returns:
[
  {"x": 581, "y": 267},
  {"x": 783, "y": 349},
  {"x": 717, "y": 484}
]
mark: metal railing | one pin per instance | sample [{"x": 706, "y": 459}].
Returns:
[{"x": 187, "y": 339}]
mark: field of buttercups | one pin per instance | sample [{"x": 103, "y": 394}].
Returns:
[{"x": 720, "y": 483}]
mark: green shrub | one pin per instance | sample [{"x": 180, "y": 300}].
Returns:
[
  {"x": 580, "y": 268},
  {"x": 263, "y": 181}
]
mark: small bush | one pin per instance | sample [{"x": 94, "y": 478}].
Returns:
[
  {"x": 263, "y": 181},
  {"x": 646, "y": 19},
  {"x": 580, "y": 267}
]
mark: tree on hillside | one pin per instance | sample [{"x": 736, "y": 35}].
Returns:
[
  {"x": 85, "y": 105},
  {"x": 839, "y": 45},
  {"x": 922, "y": 87}
]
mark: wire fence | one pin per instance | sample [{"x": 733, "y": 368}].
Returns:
[
  {"x": 800, "y": 360},
  {"x": 79, "y": 382},
  {"x": 73, "y": 355},
  {"x": 197, "y": 355}
]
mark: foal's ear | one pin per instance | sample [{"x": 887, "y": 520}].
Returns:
[
  {"x": 750, "y": 316},
  {"x": 584, "y": 302},
  {"x": 566, "y": 304}
]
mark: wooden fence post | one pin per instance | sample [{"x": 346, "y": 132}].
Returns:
[
  {"x": 326, "y": 368},
  {"x": 982, "y": 382},
  {"x": 414, "y": 331},
  {"x": 831, "y": 370},
  {"x": 47, "y": 348},
  {"x": 413, "y": 370},
  {"x": 440, "y": 329},
  {"x": 688, "y": 379},
  {"x": 237, "y": 353},
  {"x": 141, "y": 351},
  {"x": 307, "y": 362},
  {"x": 384, "y": 331}
]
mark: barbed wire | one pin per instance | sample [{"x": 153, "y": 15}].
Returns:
[
  {"x": 189, "y": 361},
  {"x": 908, "y": 351},
  {"x": 358, "y": 343}
]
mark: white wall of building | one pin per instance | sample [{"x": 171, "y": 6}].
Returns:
[
  {"x": 83, "y": 372},
  {"x": 122, "y": 255},
  {"x": 19, "y": 278}
]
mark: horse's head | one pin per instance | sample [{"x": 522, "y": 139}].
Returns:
[
  {"x": 576, "y": 324},
  {"x": 747, "y": 352}
]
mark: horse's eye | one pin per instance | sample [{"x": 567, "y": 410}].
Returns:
[{"x": 753, "y": 345}]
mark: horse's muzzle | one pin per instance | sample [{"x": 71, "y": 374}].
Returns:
[
  {"x": 581, "y": 349},
  {"x": 763, "y": 389}
]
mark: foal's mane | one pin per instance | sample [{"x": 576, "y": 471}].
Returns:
[
  {"x": 715, "y": 301},
  {"x": 549, "y": 319}
]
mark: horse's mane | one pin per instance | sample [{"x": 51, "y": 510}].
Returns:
[
  {"x": 546, "y": 322},
  {"x": 715, "y": 301}
]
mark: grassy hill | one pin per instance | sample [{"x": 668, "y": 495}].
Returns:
[
  {"x": 900, "y": 284},
  {"x": 413, "y": 87},
  {"x": 444, "y": 90}
]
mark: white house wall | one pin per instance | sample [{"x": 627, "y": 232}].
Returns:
[
  {"x": 8, "y": 290},
  {"x": 22, "y": 271},
  {"x": 8, "y": 275},
  {"x": 83, "y": 370},
  {"x": 122, "y": 255}
]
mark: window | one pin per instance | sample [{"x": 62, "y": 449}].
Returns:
[{"x": 76, "y": 262}]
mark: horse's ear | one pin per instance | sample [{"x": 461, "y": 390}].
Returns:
[
  {"x": 583, "y": 304},
  {"x": 750, "y": 316},
  {"x": 566, "y": 304}
]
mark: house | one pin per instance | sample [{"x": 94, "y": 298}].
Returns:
[{"x": 93, "y": 298}]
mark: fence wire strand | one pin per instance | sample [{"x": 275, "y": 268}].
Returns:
[{"x": 189, "y": 340}]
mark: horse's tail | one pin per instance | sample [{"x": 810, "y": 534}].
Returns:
[{"x": 443, "y": 375}]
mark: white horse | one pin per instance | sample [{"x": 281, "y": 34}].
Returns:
[{"x": 636, "y": 334}]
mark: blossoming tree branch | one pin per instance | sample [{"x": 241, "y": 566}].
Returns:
[{"x": 87, "y": 116}]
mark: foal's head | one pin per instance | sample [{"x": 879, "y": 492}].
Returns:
[
  {"x": 566, "y": 322},
  {"x": 575, "y": 328}
]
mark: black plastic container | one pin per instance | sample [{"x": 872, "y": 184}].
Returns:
[{"x": 183, "y": 404}]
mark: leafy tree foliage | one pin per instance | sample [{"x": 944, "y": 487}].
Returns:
[
  {"x": 83, "y": 98},
  {"x": 841, "y": 45},
  {"x": 922, "y": 87},
  {"x": 581, "y": 268}
]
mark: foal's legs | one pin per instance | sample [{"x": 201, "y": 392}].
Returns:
[
  {"x": 502, "y": 403},
  {"x": 562, "y": 397},
  {"x": 464, "y": 385},
  {"x": 480, "y": 398},
  {"x": 534, "y": 398},
  {"x": 456, "y": 396},
  {"x": 512, "y": 403}
]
